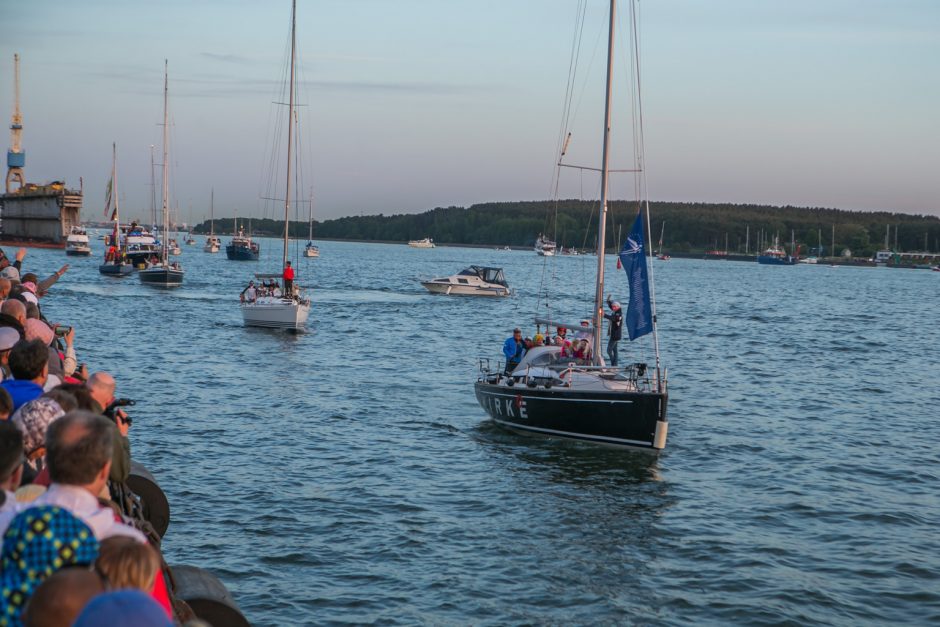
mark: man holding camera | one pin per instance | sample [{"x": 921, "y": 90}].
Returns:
[{"x": 101, "y": 386}]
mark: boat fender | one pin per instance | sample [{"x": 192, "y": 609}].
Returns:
[
  {"x": 156, "y": 507},
  {"x": 207, "y": 596},
  {"x": 659, "y": 439},
  {"x": 532, "y": 383},
  {"x": 510, "y": 382},
  {"x": 548, "y": 385}
]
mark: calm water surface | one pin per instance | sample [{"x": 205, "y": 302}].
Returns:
[{"x": 348, "y": 475}]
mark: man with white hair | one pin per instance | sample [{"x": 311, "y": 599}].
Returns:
[{"x": 615, "y": 330}]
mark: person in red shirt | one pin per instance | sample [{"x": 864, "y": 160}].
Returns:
[{"x": 288, "y": 281}]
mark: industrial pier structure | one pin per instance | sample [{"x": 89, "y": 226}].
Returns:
[{"x": 36, "y": 215}]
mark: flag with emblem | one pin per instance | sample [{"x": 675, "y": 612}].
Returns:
[{"x": 639, "y": 319}]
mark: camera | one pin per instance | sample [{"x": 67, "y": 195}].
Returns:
[
  {"x": 117, "y": 403},
  {"x": 62, "y": 331}
]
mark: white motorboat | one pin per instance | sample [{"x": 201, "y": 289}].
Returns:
[
  {"x": 77, "y": 242},
  {"x": 285, "y": 307},
  {"x": 473, "y": 281},
  {"x": 544, "y": 246},
  {"x": 427, "y": 242}
]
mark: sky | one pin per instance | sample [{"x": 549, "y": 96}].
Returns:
[{"x": 413, "y": 104}]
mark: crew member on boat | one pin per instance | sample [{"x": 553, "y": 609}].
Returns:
[
  {"x": 288, "y": 281},
  {"x": 615, "y": 330},
  {"x": 513, "y": 349},
  {"x": 249, "y": 294}
]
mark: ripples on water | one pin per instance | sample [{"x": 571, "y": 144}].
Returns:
[{"x": 348, "y": 475}]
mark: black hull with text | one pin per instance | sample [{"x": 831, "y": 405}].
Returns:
[{"x": 624, "y": 419}]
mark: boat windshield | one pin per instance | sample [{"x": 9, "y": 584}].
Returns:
[{"x": 490, "y": 275}]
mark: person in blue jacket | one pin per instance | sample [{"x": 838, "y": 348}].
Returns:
[
  {"x": 29, "y": 365},
  {"x": 513, "y": 350}
]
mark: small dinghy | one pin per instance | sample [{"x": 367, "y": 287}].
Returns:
[{"x": 473, "y": 281}]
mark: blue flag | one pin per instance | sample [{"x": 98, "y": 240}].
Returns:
[{"x": 633, "y": 257}]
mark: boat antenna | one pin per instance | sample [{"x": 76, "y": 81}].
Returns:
[
  {"x": 290, "y": 125},
  {"x": 602, "y": 221},
  {"x": 646, "y": 197}
]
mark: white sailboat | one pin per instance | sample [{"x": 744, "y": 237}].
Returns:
[
  {"x": 161, "y": 272},
  {"x": 213, "y": 243},
  {"x": 311, "y": 249},
  {"x": 285, "y": 306}
]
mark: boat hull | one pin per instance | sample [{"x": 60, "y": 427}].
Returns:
[
  {"x": 77, "y": 252},
  {"x": 621, "y": 419},
  {"x": 452, "y": 289},
  {"x": 111, "y": 269},
  {"x": 276, "y": 314},
  {"x": 238, "y": 253},
  {"x": 769, "y": 260},
  {"x": 161, "y": 277}
]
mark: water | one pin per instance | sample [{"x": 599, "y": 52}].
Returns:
[{"x": 348, "y": 474}]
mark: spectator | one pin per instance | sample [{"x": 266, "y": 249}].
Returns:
[
  {"x": 11, "y": 464},
  {"x": 6, "y": 405},
  {"x": 62, "y": 597},
  {"x": 13, "y": 315},
  {"x": 127, "y": 563},
  {"x": 123, "y": 608},
  {"x": 29, "y": 367},
  {"x": 8, "y": 339},
  {"x": 79, "y": 447},
  {"x": 33, "y": 551}
]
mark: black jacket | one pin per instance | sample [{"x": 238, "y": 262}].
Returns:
[{"x": 615, "y": 330}]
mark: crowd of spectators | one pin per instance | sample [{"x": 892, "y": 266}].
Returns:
[{"x": 74, "y": 546}]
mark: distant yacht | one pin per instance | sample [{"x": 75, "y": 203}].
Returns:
[
  {"x": 427, "y": 242},
  {"x": 77, "y": 242},
  {"x": 544, "y": 246}
]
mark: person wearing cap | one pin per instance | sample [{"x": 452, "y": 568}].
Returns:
[
  {"x": 513, "y": 350},
  {"x": 585, "y": 332},
  {"x": 561, "y": 337},
  {"x": 614, "y": 330},
  {"x": 8, "y": 339}
]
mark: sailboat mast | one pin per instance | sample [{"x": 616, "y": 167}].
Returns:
[
  {"x": 166, "y": 188},
  {"x": 114, "y": 193},
  {"x": 290, "y": 124},
  {"x": 153, "y": 192},
  {"x": 212, "y": 213},
  {"x": 602, "y": 220},
  {"x": 310, "y": 235}
]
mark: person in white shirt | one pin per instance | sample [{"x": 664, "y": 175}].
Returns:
[
  {"x": 79, "y": 447},
  {"x": 11, "y": 465}
]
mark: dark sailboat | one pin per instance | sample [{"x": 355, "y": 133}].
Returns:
[
  {"x": 115, "y": 259},
  {"x": 160, "y": 272},
  {"x": 552, "y": 392}
]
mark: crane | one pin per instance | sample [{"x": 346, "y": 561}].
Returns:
[{"x": 16, "y": 158}]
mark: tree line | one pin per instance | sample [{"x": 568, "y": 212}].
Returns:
[{"x": 689, "y": 227}]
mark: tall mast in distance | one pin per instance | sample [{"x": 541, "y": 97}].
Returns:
[
  {"x": 602, "y": 219},
  {"x": 290, "y": 125},
  {"x": 166, "y": 188}
]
